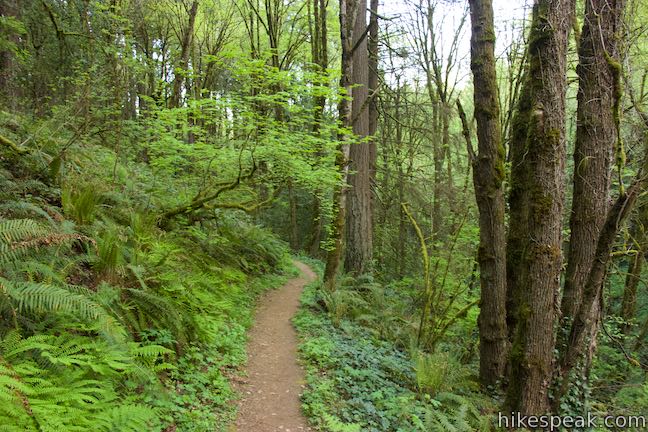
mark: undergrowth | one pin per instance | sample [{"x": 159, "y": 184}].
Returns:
[
  {"x": 360, "y": 381},
  {"x": 108, "y": 322}
]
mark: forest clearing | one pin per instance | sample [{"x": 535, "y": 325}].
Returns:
[{"x": 337, "y": 216}]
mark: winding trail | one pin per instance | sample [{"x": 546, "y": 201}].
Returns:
[{"x": 270, "y": 401}]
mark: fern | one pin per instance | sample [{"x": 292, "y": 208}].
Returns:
[
  {"x": 81, "y": 204},
  {"x": 455, "y": 413},
  {"x": 154, "y": 308},
  {"x": 24, "y": 208},
  {"x": 41, "y": 298},
  {"x": 126, "y": 418},
  {"x": 19, "y": 237},
  {"x": 53, "y": 383},
  {"x": 12, "y": 230}
]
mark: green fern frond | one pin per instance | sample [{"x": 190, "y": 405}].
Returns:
[
  {"x": 36, "y": 297},
  {"x": 19, "y": 237},
  {"x": 13, "y": 345},
  {"x": 82, "y": 204},
  {"x": 18, "y": 209},
  {"x": 150, "y": 351},
  {"x": 157, "y": 308},
  {"x": 127, "y": 418},
  {"x": 49, "y": 298},
  {"x": 13, "y": 230}
]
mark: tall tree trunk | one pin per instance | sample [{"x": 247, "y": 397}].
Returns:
[
  {"x": 488, "y": 177},
  {"x": 316, "y": 228},
  {"x": 586, "y": 318},
  {"x": 595, "y": 143},
  {"x": 400, "y": 181},
  {"x": 319, "y": 53},
  {"x": 372, "y": 47},
  {"x": 435, "y": 217},
  {"x": 438, "y": 156},
  {"x": 185, "y": 51},
  {"x": 596, "y": 139},
  {"x": 541, "y": 153},
  {"x": 294, "y": 228},
  {"x": 349, "y": 10},
  {"x": 359, "y": 235}
]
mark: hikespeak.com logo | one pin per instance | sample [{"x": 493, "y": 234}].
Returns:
[{"x": 515, "y": 420}]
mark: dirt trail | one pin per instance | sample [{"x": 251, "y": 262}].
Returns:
[{"x": 271, "y": 391}]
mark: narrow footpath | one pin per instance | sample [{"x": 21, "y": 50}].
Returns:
[{"x": 270, "y": 393}]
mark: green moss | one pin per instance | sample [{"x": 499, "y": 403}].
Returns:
[
  {"x": 541, "y": 29},
  {"x": 541, "y": 204}
]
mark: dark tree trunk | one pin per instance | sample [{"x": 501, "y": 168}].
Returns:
[
  {"x": 540, "y": 150},
  {"x": 319, "y": 53},
  {"x": 596, "y": 139},
  {"x": 595, "y": 143},
  {"x": 587, "y": 318},
  {"x": 488, "y": 177},
  {"x": 294, "y": 228},
  {"x": 316, "y": 230},
  {"x": 349, "y": 9},
  {"x": 373, "y": 88},
  {"x": 359, "y": 235}
]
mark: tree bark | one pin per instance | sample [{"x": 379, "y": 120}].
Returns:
[
  {"x": 319, "y": 53},
  {"x": 488, "y": 177},
  {"x": 349, "y": 9},
  {"x": 596, "y": 140},
  {"x": 359, "y": 230},
  {"x": 294, "y": 228},
  {"x": 595, "y": 143},
  {"x": 372, "y": 47},
  {"x": 585, "y": 318},
  {"x": 540, "y": 152}
]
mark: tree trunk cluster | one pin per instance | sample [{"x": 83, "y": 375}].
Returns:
[{"x": 523, "y": 305}]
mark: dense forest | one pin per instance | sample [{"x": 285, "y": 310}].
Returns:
[{"x": 467, "y": 178}]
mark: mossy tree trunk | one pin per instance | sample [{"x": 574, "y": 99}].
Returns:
[
  {"x": 537, "y": 196},
  {"x": 585, "y": 326},
  {"x": 488, "y": 177},
  {"x": 372, "y": 47},
  {"x": 596, "y": 141}
]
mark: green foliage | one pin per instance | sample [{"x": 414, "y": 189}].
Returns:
[
  {"x": 69, "y": 383},
  {"x": 81, "y": 204},
  {"x": 357, "y": 381},
  {"x": 108, "y": 322}
]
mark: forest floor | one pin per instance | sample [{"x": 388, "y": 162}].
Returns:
[{"x": 270, "y": 392}]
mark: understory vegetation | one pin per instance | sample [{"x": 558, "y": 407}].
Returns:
[
  {"x": 365, "y": 372},
  {"x": 108, "y": 322},
  {"x": 362, "y": 377}
]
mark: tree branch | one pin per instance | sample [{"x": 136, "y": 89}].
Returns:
[{"x": 12, "y": 145}]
